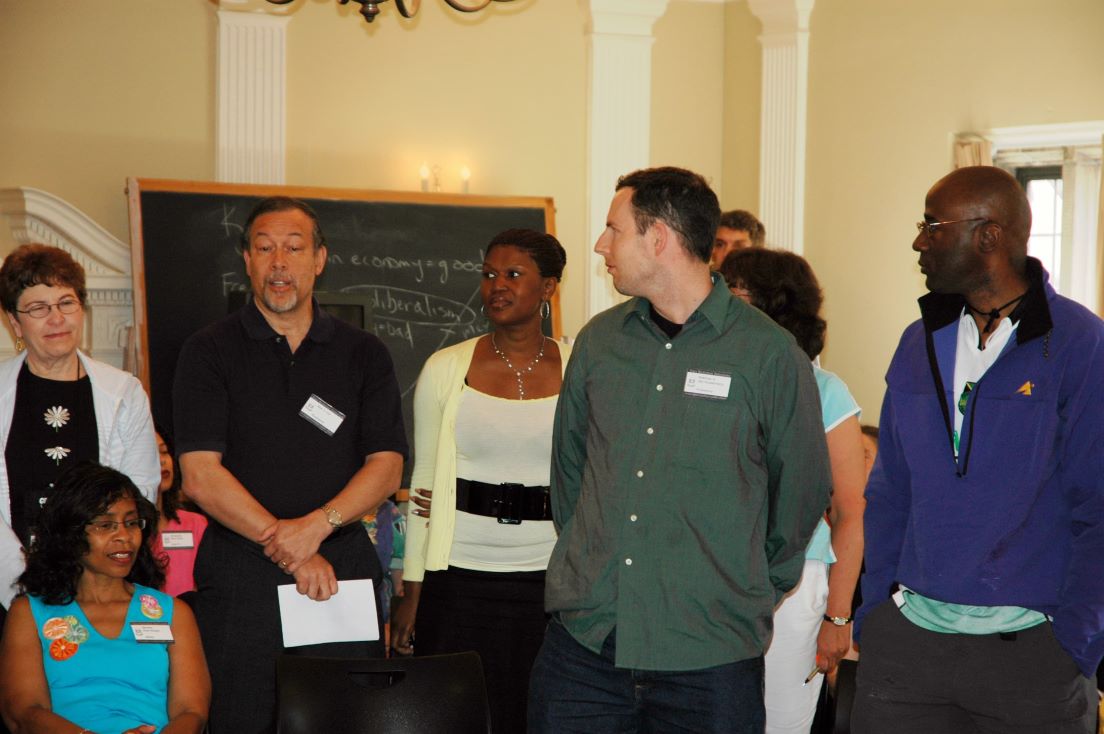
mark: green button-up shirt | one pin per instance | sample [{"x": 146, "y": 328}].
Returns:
[{"x": 688, "y": 475}]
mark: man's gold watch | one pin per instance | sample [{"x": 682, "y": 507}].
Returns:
[{"x": 333, "y": 517}]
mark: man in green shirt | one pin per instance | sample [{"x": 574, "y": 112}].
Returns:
[{"x": 689, "y": 470}]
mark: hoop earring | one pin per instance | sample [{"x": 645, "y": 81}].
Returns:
[
  {"x": 546, "y": 310},
  {"x": 20, "y": 345},
  {"x": 482, "y": 309}
]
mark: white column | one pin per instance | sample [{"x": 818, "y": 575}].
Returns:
[
  {"x": 251, "y": 114},
  {"x": 619, "y": 117},
  {"x": 784, "y": 104}
]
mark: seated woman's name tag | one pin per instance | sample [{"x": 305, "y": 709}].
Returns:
[{"x": 152, "y": 632}]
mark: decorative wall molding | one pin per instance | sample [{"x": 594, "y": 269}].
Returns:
[
  {"x": 618, "y": 117},
  {"x": 250, "y": 132},
  {"x": 783, "y": 118},
  {"x": 38, "y": 216},
  {"x": 1073, "y": 134}
]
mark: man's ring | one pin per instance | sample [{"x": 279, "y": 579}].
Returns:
[{"x": 283, "y": 564}]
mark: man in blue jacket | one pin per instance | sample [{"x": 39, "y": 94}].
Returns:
[{"x": 984, "y": 590}]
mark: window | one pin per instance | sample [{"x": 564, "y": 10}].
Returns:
[
  {"x": 1060, "y": 168},
  {"x": 1043, "y": 185}
]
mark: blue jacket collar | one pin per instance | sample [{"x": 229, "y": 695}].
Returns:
[{"x": 1033, "y": 313}]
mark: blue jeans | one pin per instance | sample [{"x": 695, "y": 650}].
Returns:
[{"x": 574, "y": 690}]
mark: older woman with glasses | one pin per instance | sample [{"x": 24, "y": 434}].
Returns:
[
  {"x": 92, "y": 645},
  {"x": 57, "y": 405}
]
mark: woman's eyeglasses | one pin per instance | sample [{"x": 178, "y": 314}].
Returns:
[
  {"x": 104, "y": 527},
  {"x": 42, "y": 310}
]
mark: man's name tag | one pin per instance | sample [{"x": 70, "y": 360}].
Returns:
[
  {"x": 151, "y": 631},
  {"x": 177, "y": 540},
  {"x": 712, "y": 385},
  {"x": 326, "y": 417}
]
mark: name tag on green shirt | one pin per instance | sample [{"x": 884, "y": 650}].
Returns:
[{"x": 712, "y": 385}]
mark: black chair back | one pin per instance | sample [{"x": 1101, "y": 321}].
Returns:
[{"x": 402, "y": 695}]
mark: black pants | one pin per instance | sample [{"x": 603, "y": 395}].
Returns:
[
  {"x": 912, "y": 680},
  {"x": 239, "y": 619},
  {"x": 498, "y": 615}
]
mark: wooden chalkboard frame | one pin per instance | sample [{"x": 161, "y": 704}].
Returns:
[{"x": 136, "y": 187}]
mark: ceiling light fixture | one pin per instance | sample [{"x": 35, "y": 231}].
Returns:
[{"x": 409, "y": 8}]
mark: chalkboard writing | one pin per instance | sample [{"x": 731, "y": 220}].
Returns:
[{"x": 405, "y": 266}]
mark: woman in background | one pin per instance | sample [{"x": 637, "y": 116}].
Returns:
[
  {"x": 178, "y": 531},
  {"x": 92, "y": 645},
  {"x": 812, "y": 625},
  {"x": 58, "y": 406},
  {"x": 483, "y": 414}
]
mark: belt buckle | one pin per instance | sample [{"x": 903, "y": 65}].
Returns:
[{"x": 507, "y": 506}]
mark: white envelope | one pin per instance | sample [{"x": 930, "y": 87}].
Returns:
[{"x": 347, "y": 616}]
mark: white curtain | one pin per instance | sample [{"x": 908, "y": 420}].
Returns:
[
  {"x": 1099, "y": 269},
  {"x": 1081, "y": 230},
  {"x": 972, "y": 150}
]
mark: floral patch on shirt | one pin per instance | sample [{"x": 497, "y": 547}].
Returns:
[
  {"x": 151, "y": 608},
  {"x": 67, "y": 635}
]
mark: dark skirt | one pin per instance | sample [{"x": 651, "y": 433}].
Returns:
[{"x": 498, "y": 615}]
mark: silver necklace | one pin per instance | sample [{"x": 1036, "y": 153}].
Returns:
[{"x": 520, "y": 373}]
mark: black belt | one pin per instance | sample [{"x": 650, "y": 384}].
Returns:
[{"x": 509, "y": 502}]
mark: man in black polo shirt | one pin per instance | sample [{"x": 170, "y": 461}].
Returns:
[{"x": 289, "y": 428}]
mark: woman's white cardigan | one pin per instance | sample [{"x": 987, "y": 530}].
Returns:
[
  {"x": 126, "y": 441},
  {"x": 436, "y": 402}
]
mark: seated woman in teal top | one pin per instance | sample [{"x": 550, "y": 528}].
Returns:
[{"x": 91, "y": 645}]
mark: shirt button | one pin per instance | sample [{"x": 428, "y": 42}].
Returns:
[
  {"x": 632, "y": 518},
  {"x": 667, "y": 345},
  {"x": 279, "y": 339},
  {"x": 650, "y": 430},
  {"x": 639, "y": 473},
  {"x": 628, "y": 561},
  {"x": 659, "y": 388}
]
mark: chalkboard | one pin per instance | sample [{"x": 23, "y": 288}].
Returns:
[{"x": 412, "y": 258}]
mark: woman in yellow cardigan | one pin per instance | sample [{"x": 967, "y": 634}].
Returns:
[{"x": 483, "y": 414}]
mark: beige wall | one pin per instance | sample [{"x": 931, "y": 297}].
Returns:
[
  {"x": 688, "y": 89},
  {"x": 95, "y": 92},
  {"x": 889, "y": 85},
  {"x": 502, "y": 92},
  {"x": 742, "y": 83}
]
